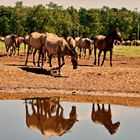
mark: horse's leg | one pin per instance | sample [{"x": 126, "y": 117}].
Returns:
[
  {"x": 34, "y": 56},
  {"x": 59, "y": 63},
  {"x": 95, "y": 55},
  {"x": 99, "y": 57},
  {"x": 50, "y": 60},
  {"x": 27, "y": 55},
  {"x": 7, "y": 48},
  {"x": 104, "y": 57},
  {"x": 63, "y": 60},
  {"x": 14, "y": 50},
  {"x": 111, "y": 58},
  {"x": 24, "y": 48},
  {"x": 103, "y": 107},
  {"x": 11, "y": 51},
  {"x": 43, "y": 52},
  {"x": 93, "y": 108},
  {"x": 84, "y": 53},
  {"x": 90, "y": 52},
  {"x": 18, "y": 49},
  {"x": 109, "y": 108},
  {"x": 40, "y": 52},
  {"x": 98, "y": 107},
  {"x": 80, "y": 53}
]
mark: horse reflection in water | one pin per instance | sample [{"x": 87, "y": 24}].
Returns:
[
  {"x": 104, "y": 117},
  {"x": 47, "y": 116}
]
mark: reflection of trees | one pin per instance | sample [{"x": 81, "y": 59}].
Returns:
[
  {"x": 104, "y": 117},
  {"x": 47, "y": 117}
]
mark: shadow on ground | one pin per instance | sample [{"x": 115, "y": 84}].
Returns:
[{"x": 42, "y": 71}]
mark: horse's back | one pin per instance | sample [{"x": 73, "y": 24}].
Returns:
[
  {"x": 36, "y": 40},
  {"x": 8, "y": 40},
  {"x": 55, "y": 44},
  {"x": 99, "y": 42}
]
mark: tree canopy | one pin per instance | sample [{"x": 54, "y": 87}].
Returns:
[{"x": 51, "y": 17}]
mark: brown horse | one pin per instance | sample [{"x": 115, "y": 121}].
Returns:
[
  {"x": 58, "y": 46},
  {"x": 19, "y": 40},
  {"x": 47, "y": 117},
  {"x": 105, "y": 43},
  {"x": 104, "y": 117}
]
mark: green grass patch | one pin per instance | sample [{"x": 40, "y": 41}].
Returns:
[
  {"x": 130, "y": 51},
  {"x": 2, "y": 46}
]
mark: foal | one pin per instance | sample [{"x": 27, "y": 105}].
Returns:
[{"x": 105, "y": 43}]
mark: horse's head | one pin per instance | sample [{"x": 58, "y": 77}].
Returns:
[
  {"x": 118, "y": 35},
  {"x": 114, "y": 128}
]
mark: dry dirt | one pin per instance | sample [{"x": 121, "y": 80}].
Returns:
[{"x": 119, "y": 84}]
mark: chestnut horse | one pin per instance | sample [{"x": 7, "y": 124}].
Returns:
[
  {"x": 104, "y": 117},
  {"x": 105, "y": 43}
]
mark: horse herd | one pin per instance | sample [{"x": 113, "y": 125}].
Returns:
[
  {"x": 52, "y": 45},
  {"x": 47, "y": 116}
]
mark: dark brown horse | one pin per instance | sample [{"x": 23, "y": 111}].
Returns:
[
  {"x": 105, "y": 43},
  {"x": 104, "y": 117}
]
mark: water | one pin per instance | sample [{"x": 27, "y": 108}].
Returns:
[{"x": 17, "y": 124}]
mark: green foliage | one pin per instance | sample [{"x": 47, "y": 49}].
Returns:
[{"x": 64, "y": 22}]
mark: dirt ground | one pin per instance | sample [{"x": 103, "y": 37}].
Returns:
[{"x": 86, "y": 83}]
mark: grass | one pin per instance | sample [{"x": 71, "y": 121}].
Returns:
[
  {"x": 2, "y": 46},
  {"x": 130, "y": 51}
]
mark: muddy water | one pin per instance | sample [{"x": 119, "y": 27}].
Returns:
[{"x": 53, "y": 119}]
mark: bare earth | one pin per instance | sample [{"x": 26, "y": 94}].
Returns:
[{"x": 119, "y": 84}]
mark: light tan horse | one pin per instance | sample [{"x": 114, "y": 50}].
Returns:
[
  {"x": 58, "y": 46},
  {"x": 36, "y": 41},
  {"x": 10, "y": 43},
  {"x": 48, "y": 121},
  {"x": 83, "y": 44},
  {"x": 104, "y": 117}
]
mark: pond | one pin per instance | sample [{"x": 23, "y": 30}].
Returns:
[{"x": 54, "y": 119}]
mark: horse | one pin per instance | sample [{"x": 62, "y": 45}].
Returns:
[
  {"x": 36, "y": 41},
  {"x": 105, "y": 43},
  {"x": 104, "y": 117},
  {"x": 84, "y": 43},
  {"x": 71, "y": 41},
  {"x": 48, "y": 121},
  {"x": 25, "y": 41},
  {"x": 58, "y": 46},
  {"x": 19, "y": 40},
  {"x": 10, "y": 43}
]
